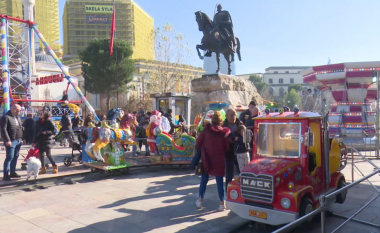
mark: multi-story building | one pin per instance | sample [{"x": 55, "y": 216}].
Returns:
[
  {"x": 45, "y": 15},
  {"x": 84, "y": 20},
  {"x": 280, "y": 77},
  {"x": 140, "y": 87}
]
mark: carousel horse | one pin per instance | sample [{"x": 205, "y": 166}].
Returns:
[
  {"x": 106, "y": 134},
  {"x": 113, "y": 116},
  {"x": 129, "y": 121},
  {"x": 92, "y": 134}
]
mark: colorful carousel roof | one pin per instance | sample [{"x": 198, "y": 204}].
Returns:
[{"x": 348, "y": 82}]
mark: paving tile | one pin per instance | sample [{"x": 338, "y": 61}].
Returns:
[
  {"x": 3, "y": 213},
  {"x": 90, "y": 218},
  {"x": 10, "y": 219},
  {"x": 64, "y": 226},
  {"x": 132, "y": 228},
  {"x": 155, "y": 223},
  {"x": 112, "y": 213},
  {"x": 47, "y": 220},
  {"x": 134, "y": 217},
  {"x": 19, "y": 227},
  {"x": 37, "y": 230},
  {"x": 34, "y": 213},
  {"x": 111, "y": 225}
]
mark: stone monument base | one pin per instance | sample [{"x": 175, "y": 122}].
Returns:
[{"x": 222, "y": 88}]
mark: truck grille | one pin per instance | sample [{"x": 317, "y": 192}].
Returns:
[{"x": 256, "y": 187}]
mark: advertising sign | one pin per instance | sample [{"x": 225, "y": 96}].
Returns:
[
  {"x": 99, "y": 9},
  {"x": 98, "y": 19}
]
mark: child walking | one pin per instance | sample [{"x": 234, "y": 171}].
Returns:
[{"x": 241, "y": 151}]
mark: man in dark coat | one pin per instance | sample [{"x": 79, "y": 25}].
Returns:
[
  {"x": 75, "y": 121},
  {"x": 28, "y": 129},
  {"x": 45, "y": 131},
  {"x": 11, "y": 132},
  {"x": 168, "y": 115},
  {"x": 65, "y": 126},
  {"x": 232, "y": 123},
  {"x": 251, "y": 112}
]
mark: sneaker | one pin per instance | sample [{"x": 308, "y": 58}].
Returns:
[
  {"x": 222, "y": 208},
  {"x": 6, "y": 178},
  {"x": 14, "y": 175},
  {"x": 199, "y": 204}
]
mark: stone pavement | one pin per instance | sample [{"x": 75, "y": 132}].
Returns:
[{"x": 153, "y": 200}]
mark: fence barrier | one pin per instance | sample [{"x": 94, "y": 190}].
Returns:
[{"x": 324, "y": 199}]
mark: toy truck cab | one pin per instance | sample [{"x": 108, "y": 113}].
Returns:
[{"x": 292, "y": 165}]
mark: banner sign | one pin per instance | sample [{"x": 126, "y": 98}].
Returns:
[
  {"x": 49, "y": 79},
  {"x": 98, "y": 19},
  {"x": 99, "y": 9}
]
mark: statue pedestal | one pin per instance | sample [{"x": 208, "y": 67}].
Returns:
[{"x": 222, "y": 88}]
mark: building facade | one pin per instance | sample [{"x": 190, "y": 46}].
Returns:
[
  {"x": 280, "y": 77},
  {"x": 84, "y": 20},
  {"x": 46, "y": 16}
]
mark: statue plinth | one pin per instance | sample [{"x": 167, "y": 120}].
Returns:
[{"x": 222, "y": 88}]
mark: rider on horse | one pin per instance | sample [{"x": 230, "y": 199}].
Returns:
[{"x": 223, "y": 24}]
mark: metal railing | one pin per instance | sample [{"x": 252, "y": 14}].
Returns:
[{"x": 324, "y": 199}]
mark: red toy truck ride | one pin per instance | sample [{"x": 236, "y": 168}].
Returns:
[{"x": 292, "y": 165}]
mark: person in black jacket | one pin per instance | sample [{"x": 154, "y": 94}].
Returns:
[
  {"x": 75, "y": 121},
  {"x": 29, "y": 129},
  {"x": 168, "y": 115},
  {"x": 45, "y": 131},
  {"x": 11, "y": 132},
  {"x": 65, "y": 126},
  {"x": 232, "y": 123}
]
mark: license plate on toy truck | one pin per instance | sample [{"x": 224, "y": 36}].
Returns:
[{"x": 257, "y": 214}]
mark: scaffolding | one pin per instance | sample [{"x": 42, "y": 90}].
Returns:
[
  {"x": 132, "y": 25},
  {"x": 16, "y": 64}
]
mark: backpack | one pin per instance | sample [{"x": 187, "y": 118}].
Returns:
[{"x": 147, "y": 130}]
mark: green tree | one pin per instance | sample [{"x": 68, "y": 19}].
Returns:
[
  {"x": 258, "y": 82},
  {"x": 100, "y": 69},
  {"x": 297, "y": 87},
  {"x": 291, "y": 99},
  {"x": 172, "y": 53}
]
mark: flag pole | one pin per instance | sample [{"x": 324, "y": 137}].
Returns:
[{"x": 117, "y": 78}]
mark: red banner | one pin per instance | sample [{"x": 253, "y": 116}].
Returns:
[{"x": 50, "y": 79}]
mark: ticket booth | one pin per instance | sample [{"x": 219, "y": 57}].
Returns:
[{"x": 180, "y": 103}]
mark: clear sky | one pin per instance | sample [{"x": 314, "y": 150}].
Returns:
[{"x": 281, "y": 33}]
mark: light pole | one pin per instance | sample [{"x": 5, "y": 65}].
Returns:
[{"x": 377, "y": 115}]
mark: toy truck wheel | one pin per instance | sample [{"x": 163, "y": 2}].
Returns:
[
  {"x": 306, "y": 207},
  {"x": 342, "y": 196}
]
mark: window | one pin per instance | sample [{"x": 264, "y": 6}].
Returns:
[
  {"x": 291, "y": 80},
  {"x": 276, "y": 72},
  {"x": 286, "y": 72},
  {"x": 281, "y": 80},
  {"x": 279, "y": 139},
  {"x": 270, "y": 81}
]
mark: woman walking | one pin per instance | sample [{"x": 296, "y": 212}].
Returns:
[
  {"x": 43, "y": 140},
  {"x": 214, "y": 144}
]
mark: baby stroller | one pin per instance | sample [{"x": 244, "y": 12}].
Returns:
[{"x": 75, "y": 142}]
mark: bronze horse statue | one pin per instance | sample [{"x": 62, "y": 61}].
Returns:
[{"x": 212, "y": 41}]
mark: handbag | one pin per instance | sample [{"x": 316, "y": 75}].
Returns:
[
  {"x": 196, "y": 158},
  {"x": 199, "y": 169}
]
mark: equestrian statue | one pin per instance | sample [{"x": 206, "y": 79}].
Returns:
[{"x": 218, "y": 36}]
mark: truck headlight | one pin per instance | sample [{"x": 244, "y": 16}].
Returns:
[
  {"x": 234, "y": 194},
  {"x": 285, "y": 203},
  {"x": 291, "y": 185}
]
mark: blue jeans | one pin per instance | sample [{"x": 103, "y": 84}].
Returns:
[
  {"x": 12, "y": 153},
  {"x": 219, "y": 183}
]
